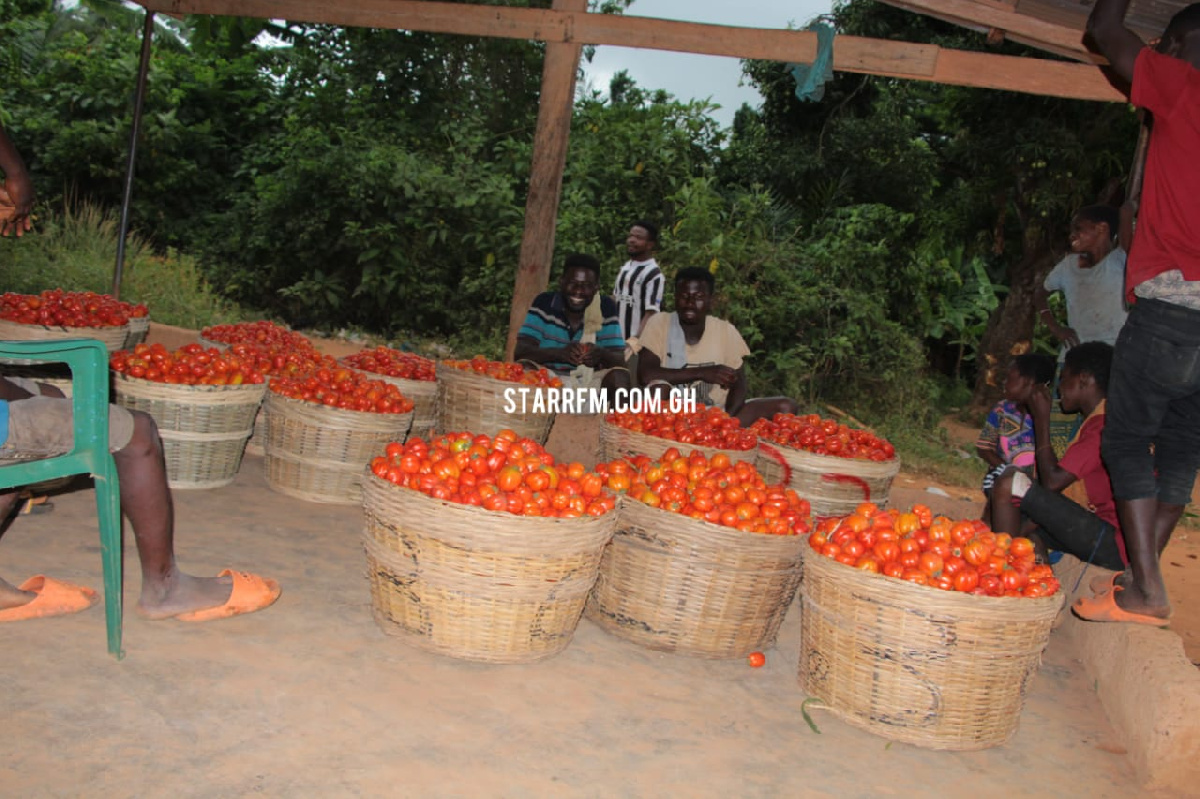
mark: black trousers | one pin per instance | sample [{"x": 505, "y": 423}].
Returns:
[{"x": 1068, "y": 527}]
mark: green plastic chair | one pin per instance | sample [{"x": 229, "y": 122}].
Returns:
[{"x": 88, "y": 361}]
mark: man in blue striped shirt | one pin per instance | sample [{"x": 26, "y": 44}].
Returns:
[{"x": 553, "y": 334}]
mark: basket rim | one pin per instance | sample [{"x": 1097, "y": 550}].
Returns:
[
  {"x": 804, "y": 455},
  {"x": 63, "y": 328}
]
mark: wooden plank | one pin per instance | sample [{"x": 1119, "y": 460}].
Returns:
[
  {"x": 956, "y": 67},
  {"x": 1018, "y": 27},
  {"x": 550, "y": 141},
  {"x": 850, "y": 53}
]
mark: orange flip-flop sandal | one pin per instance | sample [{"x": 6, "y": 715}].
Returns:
[
  {"x": 250, "y": 593},
  {"x": 1103, "y": 583},
  {"x": 1105, "y": 608},
  {"x": 54, "y": 598}
]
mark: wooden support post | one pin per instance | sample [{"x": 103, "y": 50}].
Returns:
[{"x": 545, "y": 174}]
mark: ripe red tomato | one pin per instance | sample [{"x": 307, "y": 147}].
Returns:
[{"x": 756, "y": 659}]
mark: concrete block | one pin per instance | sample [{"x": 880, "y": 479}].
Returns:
[{"x": 1148, "y": 688}]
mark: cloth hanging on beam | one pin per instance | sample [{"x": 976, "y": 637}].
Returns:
[{"x": 811, "y": 78}]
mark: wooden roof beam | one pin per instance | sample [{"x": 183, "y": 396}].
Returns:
[
  {"x": 850, "y": 53},
  {"x": 984, "y": 16}
]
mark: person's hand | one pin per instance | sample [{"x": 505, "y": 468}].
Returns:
[
  {"x": 575, "y": 353},
  {"x": 1039, "y": 402},
  {"x": 592, "y": 355},
  {"x": 16, "y": 201},
  {"x": 722, "y": 376},
  {"x": 1067, "y": 335}
]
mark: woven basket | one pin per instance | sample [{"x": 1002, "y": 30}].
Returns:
[
  {"x": 474, "y": 403},
  {"x": 618, "y": 442},
  {"x": 113, "y": 337},
  {"x": 424, "y": 396},
  {"x": 933, "y": 668},
  {"x": 139, "y": 328},
  {"x": 834, "y": 486},
  {"x": 318, "y": 453},
  {"x": 203, "y": 428},
  {"x": 677, "y": 584},
  {"x": 475, "y": 584}
]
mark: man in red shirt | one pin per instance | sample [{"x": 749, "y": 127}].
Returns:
[
  {"x": 1152, "y": 440},
  {"x": 1072, "y": 502}
]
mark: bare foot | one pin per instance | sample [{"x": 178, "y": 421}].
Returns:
[
  {"x": 1132, "y": 599},
  {"x": 183, "y": 593}
]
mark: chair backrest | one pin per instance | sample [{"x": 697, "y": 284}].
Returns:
[{"x": 88, "y": 361}]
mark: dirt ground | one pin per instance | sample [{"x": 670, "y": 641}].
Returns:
[{"x": 311, "y": 698}]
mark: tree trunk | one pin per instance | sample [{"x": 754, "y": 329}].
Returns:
[{"x": 1010, "y": 329}]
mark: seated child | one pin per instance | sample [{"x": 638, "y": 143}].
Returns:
[{"x": 1007, "y": 435}]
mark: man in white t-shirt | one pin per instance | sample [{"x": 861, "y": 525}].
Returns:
[
  {"x": 639, "y": 286},
  {"x": 689, "y": 348},
  {"x": 1092, "y": 280}
]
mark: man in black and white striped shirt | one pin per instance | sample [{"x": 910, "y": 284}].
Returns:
[{"x": 639, "y": 288}]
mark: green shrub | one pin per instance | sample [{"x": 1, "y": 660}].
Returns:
[{"x": 77, "y": 251}]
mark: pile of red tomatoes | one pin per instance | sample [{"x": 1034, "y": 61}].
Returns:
[
  {"x": 190, "y": 365},
  {"x": 505, "y": 473},
  {"x": 56, "y": 307},
  {"x": 343, "y": 388},
  {"x": 716, "y": 490},
  {"x": 262, "y": 334},
  {"x": 393, "y": 363},
  {"x": 935, "y": 551},
  {"x": 823, "y": 437},
  {"x": 508, "y": 372},
  {"x": 708, "y": 427}
]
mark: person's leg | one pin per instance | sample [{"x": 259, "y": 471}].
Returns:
[
  {"x": 10, "y": 595},
  {"x": 43, "y": 426},
  {"x": 146, "y": 501},
  {"x": 1157, "y": 362},
  {"x": 1006, "y": 517},
  {"x": 1068, "y": 527},
  {"x": 764, "y": 408},
  {"x": 1177, "y": 457}
]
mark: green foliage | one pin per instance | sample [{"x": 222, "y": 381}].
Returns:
[
  {"x": 76, "y": 250},
  {"x": 873, "y": 248}
]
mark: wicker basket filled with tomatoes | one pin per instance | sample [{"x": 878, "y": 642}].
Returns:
[
  {"x": 203, "y": 402},
  {"x": 277, "y": 350},
  {"x": 922, "y": 629},
  {"x": 324, "y": 427},
  {"x": 706, "y": 557},
  {"x": 833, "y": 466},
  {"x": 415, "y": 376},
  {"x": 489, "y": 396},
  {"x": 482, "y": 549},
  {"x": 58, "y": 314},
  {"x": 707, "y": 430}
]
